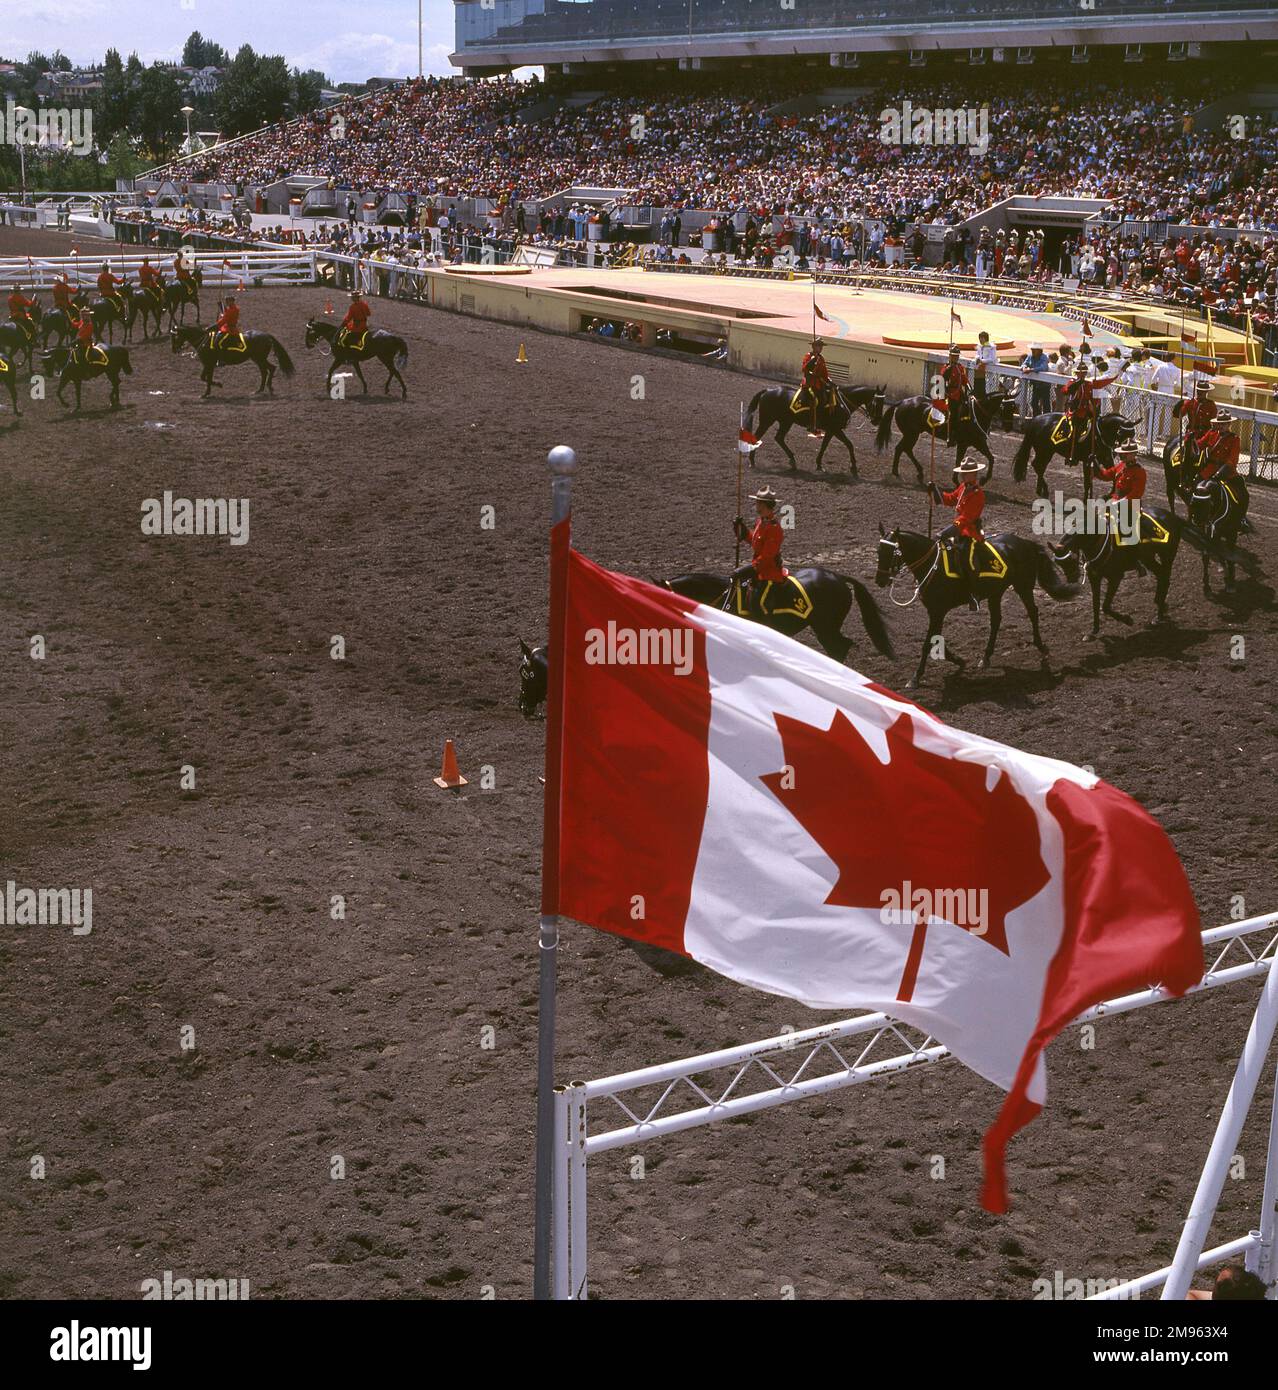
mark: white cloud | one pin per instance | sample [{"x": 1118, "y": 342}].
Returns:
[{"x": 352, "y": 57}]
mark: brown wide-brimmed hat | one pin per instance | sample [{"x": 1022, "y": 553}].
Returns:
[{"x": 766, "y": 495}]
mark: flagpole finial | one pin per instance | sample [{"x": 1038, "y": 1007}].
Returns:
[{"x": 562, "y": 460}]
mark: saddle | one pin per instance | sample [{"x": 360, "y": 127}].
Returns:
[
  {"x": 94, "y": 355},
  {"x": 801, "y": 401},
  {"x": 983, "y": 561},
  {"x": 1063, "y": 432},
  {"x": 228, "y": 342},
  {"x": 786, "y": 597},
  {"x": 356, "y": 341},
  {"x": 27, "y": 326}
]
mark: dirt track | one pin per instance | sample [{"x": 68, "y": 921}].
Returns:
[{"x": 363, "y": 1038}]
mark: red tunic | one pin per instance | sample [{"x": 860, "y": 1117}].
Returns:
[
  {"x": 815, "y": 373},
  {"x": 1128, "y": 480},
  {"x": 179, "y": 268},
  {"x": 63, "y": 294},
  {"x": 1197, "y": 414},
  {"x": 107, "y": 282},
  {"x": 1219, "y": 449},
  {"x": 954, "y": 375},
  {"x": 148, "y": 276},
  {"x": 84, "y": 330},
  {"x": 968, "y": 502},
  {"x": 229, "y": 322},
  {"x": 765, "y": 543},
  {"x": 357, "y": 316},
  {"x": 1080, "y": 395},
  {"x": 19, "y": 305}
]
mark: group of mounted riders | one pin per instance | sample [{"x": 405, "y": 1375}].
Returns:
[
  {"x": 80, "y": 321},
  {"x": 964, "y": 566}
]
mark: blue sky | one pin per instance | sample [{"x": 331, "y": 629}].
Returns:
[{"x": 348, "y": 41}]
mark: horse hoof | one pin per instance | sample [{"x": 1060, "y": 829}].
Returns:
[
  {"x": 983, "y": 664},
  {"x": 1093, "y": 635}
]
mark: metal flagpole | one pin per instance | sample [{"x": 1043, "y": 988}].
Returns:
[
  {"x": 563, "y": 464},
  {"x": 740, "y": 462},
  {"x": 1225, "y": 1143}
]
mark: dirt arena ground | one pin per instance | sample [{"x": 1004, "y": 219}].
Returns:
[{"x": 364, "y": 1038}]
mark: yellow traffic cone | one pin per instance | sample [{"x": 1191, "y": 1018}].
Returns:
[{"x": 522, "y": 357}]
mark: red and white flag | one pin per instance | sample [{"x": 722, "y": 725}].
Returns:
[
  {"x": 723, "y": 791},
  {"x": 747, "y": 442},
  {"x": 816, "y": 309}
]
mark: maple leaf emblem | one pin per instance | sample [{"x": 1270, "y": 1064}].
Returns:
[{"x": 923, "y": 819}]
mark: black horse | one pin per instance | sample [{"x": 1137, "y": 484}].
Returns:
[
  {"x": 9, "y": 380},
  {"x": 75, "y": 373},
  {"x": 1217, "y": 514},
  {"x": 15, "y": 342},
  {"x": 1110, "y": 430},
  {"x": 181, "y": 293},
  {"x": 1024, "y": 564},
  {"x": 389, "y": 349},
  {"x": 534, "y": 671},
  {"x": 912, "y": 419},
  {"x": 773, "y": 407},
  {"x": 1104, "y": 561},
  {"x": 148, "y": 304},
  {"x": 257, "y": 349},
  {"x": 830, "y": 594},
  {"x": 106, "y": 313},
  {"x": 57, "y": 323}
]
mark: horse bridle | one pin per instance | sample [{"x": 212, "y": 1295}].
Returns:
[{"x": 934, "y": 550}]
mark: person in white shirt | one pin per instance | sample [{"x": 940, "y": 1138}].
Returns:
[
  {"x": 1165, "y": 379},
  {"x": 986, "y": 365}
]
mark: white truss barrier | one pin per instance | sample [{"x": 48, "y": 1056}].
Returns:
[
  {"x": 817, "y": 1062},
  {"x": 253, "y": 268}
]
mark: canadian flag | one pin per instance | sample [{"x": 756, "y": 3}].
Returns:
[
  {"x": 720, "y": 790},
  {"x": 747, "y": 443}
]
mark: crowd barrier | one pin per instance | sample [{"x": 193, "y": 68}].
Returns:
[
  {"x": 670, "y": 1098},
  {"x": 259, "y": 268}
]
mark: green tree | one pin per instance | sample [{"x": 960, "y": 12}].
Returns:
[
  {"x": 308, "y": 88},
  {"x": 159, "y": 117}
]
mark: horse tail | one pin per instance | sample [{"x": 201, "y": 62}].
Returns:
[
  {"x": 1021, "y": 460},
  {"x": 401, "y": 353},
  {"x": 1051, "y": 581},
  {"x": 871, "y": 616},
  {"x": 281, "y": 355},
  {"x": 752, "y": 409},
  {"x": 884, "y": 436}
]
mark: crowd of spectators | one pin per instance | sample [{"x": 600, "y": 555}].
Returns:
[{"x": 1129, "y": 138}]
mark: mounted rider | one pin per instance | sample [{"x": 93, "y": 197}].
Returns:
[
  {"x": 956, "y": 404},
  {"x": 20, "y": 311},
  {"x": 85, "y": 348},
  {"x": 226, "y": 333},
  {"x": 182, "y": 272},
  {"x": 961, "y": 539},
  {"x": 1196, "y": 414},
  {"x": 1081, "y": 406},
  {"x": 1127, "y": 479},
  {"x": 765, "y": 568},
  {"x": 816, "y": 390},
  {"x": 355, "y": 324},
  {"x": 64, "y": 294},
  {"x": 109, "y": 288},
  {"x": 1219, "y": 448},
  {"x": 150, "y": 278}
]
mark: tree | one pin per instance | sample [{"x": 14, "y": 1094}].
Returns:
[
  {"x": 199, "y": 52},
  {"x": 308, "y": 89},
  {"x": 159, "y": 116},
  {"x": 111, "y": 107}
]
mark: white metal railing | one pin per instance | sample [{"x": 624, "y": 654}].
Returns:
[
  {"x": 1149, "y": 410},
  {"x": 284, "y": 266},
  {"x": 796, "y": 1066}
]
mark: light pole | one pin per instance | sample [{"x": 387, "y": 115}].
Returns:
[
  {"x": 419, "y": 39},
  {"x": 22, "y": 153},
  {"x": 188, "y": 112}
]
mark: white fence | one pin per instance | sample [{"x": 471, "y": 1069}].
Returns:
[
  {"x": 250, "y": 268},
  {"x": 675, "y": 1096}
]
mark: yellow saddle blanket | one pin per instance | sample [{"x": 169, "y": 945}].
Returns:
[
  {"x": 983, "y": 560},
  {"x": 786, "y": 596}
]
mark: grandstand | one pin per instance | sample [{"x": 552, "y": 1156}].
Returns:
[{"x": 496, "y": 37}]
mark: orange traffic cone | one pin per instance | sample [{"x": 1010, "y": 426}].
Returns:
[
  {"x": 522, "y": 356},
  {"x": 450, "y": 775},
  {"x": 240, "y": 287},
  {"x": 328, "y": 306}
]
